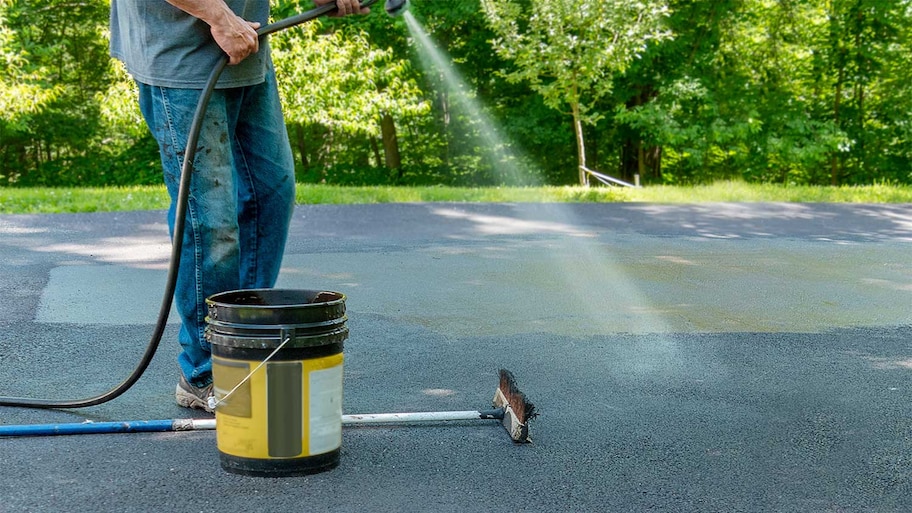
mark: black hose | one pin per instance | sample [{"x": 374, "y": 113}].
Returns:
[{"x": 178, "y": 235}]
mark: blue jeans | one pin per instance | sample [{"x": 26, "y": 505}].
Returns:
[{"x": 241, "y": 199}]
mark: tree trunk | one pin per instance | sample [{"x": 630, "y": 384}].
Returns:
[
  {"x": 862, "y": 143},
  {"x": 636, "y": 157},
  {"x": 330, "y": 159},
  {"x": 390, "y": 142},
  {"x": 860, "y": 93},
  {"x": 580, "y": 145},
  {"x": 656, "y": 162},
  {"x": 301, "y": 143},
  {"x": 834, "y": 162},
  {"x": 641, "y": 160},
  {"x": 375, "y": 150},
  {"x": 445, "y": 109}
]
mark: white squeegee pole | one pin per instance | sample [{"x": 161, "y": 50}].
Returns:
[
  {"x": 430, "y": 416},
  {"x": 393, "y": 418}
]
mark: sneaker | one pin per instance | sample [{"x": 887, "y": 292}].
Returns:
[{"x": 190, "y": 396}]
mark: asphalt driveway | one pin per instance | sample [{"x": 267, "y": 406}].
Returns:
[{"x": 712, "y": 357}]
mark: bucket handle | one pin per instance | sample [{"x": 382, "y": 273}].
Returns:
[{"x": 286, "y": 338}]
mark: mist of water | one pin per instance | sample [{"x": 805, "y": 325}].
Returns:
[
  {"x": 581, "y": 266},
  {"x": 496, "y": 148}
]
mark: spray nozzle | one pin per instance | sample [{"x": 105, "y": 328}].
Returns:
[{"x": 396, "y": 7}]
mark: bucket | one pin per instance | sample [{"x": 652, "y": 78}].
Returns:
[{"x": 286, "y": 419}]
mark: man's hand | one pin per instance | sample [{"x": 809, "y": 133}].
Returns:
[
  {"x": 236, "y": 36},
  {"x": 345, "y": 7}
]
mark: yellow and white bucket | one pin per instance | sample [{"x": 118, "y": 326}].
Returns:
[{"x": 277, "y": 371}]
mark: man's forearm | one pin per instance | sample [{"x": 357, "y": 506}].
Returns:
[
  {"x": 213, "y": 12},
  {"x": 236, "y": 36}
]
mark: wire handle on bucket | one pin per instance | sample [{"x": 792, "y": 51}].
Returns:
[{"x": 213, "y": 402}]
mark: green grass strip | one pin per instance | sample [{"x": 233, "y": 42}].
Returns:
[{"x": 46, "y": 200}]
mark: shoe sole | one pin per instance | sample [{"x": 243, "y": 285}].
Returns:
[{"x": 188, "y": 400}]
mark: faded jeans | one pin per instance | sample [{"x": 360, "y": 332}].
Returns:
[{"x": 241, "y": 199}]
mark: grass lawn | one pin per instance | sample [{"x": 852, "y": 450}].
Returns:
[{"x": 14, "y": 200}]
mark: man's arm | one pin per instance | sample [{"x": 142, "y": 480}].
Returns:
[
  {"x": 235, "y": 36},
  {"x": 345, "y": 7}
]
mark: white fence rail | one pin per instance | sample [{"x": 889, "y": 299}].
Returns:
[{"x": 609, "y": 180}]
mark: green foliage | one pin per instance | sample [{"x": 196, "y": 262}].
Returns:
[
  {"x": 676, "y": 91},
  {"x": 347, "y": 88},
  {"x": 340, "y": 97},
  {"x": 568, "y": 50},
  {"x": 67, "y": 117},
  {"x": 21, "y": 92},
  {"x": 790, "y": 92}
]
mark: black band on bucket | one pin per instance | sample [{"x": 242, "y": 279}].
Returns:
[
  {"x": 280, "y": 467},
  {"x": 286, "y": 354},
  {"x": 273, "y": 339}
]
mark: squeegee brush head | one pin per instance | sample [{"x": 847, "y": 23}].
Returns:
[{"x": 518, "y": 410}]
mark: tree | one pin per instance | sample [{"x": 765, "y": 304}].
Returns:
[
  {"x": 355, "y": 89},
  {"x": 22, "y": 95},
  {"x": 864, "y": 85},
  {"x": 490, "y": 131},
  {"x": 54, "y": 70},
  {"x": 659, "y": 102},
  {"x": 794, "y": 91},
  {"x": 569, "y": 50}
]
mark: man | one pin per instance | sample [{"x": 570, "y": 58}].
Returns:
[{"x": 242, "y": 189}]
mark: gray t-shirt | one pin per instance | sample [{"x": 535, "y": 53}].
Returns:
[{"x": 162, "y": 45}]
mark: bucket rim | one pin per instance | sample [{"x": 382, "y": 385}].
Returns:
[{"x": 219, "y": 299}]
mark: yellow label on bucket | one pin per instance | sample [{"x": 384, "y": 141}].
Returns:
[{"x": 287, "y": 409}]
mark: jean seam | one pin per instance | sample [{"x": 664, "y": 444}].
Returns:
[
  {"x": 253, "y": 270},
  {"x": 172, "y": 133},
  {"x": 198, "y": 274}
]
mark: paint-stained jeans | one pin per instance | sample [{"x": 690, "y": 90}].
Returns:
[{"x": 241, "y": 199}]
